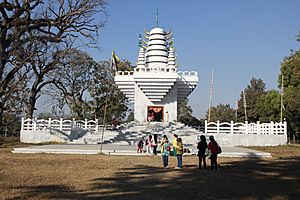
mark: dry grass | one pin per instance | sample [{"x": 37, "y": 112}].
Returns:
[{"x": 44, "y": 176}]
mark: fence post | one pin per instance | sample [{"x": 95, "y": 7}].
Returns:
[
  {"x": 272, "y": 128},
  {"x": 34, "y": 124},
  {"x": 85, "y": 124},
  {"x": 22, "y": 123},
  {"x": 218, "y": 127},
  {"x": 285, "y": 128},
  {"x": 60, "y": 124},
  {"x": 231, "y": 127},
  {"x": 49, "y": 123},
  {"x": 205, "y": 128},
  {"x": 73, "y": 123},
  {"x": 246, "y": 127},
  {"x": 97, "y": 126}
]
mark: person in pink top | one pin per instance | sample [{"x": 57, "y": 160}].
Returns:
[{"x": 213, "y": 148}]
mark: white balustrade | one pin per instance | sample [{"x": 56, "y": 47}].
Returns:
[
  {"x": 278, "y": 128},
  {"x": 61, "y": 124}
]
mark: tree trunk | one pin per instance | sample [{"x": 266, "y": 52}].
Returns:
[
  {"x": 1, "y": 119},
  {"x": 30, "y": 106}
]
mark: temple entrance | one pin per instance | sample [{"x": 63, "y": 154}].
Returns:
[{"x": 155, "y": 113}]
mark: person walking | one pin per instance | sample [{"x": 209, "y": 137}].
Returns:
[
  {"x": 140, "y": 145},
  {"x": 154, "y": 144},
  {"x": 213, "y": 148},
  {"x": 165, "y": 151},
  {"x": 149, "y": 145},
  {"x": 179, "y": 152},
  {"x": 202, "y": 151},
  {"x": 174, "y": 144}
]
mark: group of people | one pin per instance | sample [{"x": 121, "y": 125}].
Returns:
[
  {"x": 148, "y": 145},
  {"x": 151, "y": 144},
  {"x": 176, "y": 149},
  {"x": 211, "y": 150}
]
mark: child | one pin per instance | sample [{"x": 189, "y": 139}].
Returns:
[
  {"x": 165, "y": 150},
  {"x": 140, "y": 146},
  {"x": 202, "y": 148},
  {"x": 174, "y": 143},
  {"x": 179, "y": 152},
  {"x": 149, "y": 145}
]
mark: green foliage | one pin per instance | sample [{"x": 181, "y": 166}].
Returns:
[
  {"x": 253, "y": 92},
  {"x": 106, "y": 96},
  {"x": 184, "y": 112},
  {"x": 268, "y": 106},
  {"x": 11, "y": 125},
  {"x": 290, "y": 70},
  {"x": 130, "y": 117},
  {"x": 221, "y": 112},
  {"x": 125, "y": 65}
]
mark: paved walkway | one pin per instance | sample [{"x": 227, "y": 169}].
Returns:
[{"x": 118, "y": 149}]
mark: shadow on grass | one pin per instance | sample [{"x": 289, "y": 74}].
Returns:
[{"x": 245, "y": 179}]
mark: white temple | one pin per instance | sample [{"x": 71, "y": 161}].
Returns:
[{"x": 155, "y": 86}]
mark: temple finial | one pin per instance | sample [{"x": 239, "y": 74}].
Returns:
[
  {"x": 156, "y": 17},
  {"x": 140, "y": 41}
]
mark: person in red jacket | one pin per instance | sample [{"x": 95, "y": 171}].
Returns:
[{"x": 213, "y": 148}]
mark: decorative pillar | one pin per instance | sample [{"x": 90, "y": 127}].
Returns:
[
  {"x": 246, "y": 127},
  {"x": 60, "y": 124},
  {"x": 22, "y": 123}
]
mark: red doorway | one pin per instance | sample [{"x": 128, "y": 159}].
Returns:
[{"x": 155, "y": 113}]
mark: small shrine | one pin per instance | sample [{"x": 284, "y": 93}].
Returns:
[{"x": 155, "y": 85}]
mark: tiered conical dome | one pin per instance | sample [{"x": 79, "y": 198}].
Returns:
[
  {"x": 141, "y": 58},
  {"x": 157, "y": 48}
]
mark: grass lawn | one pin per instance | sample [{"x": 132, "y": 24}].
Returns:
[{"x": 45, "y": 176}]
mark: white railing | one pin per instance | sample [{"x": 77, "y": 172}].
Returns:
[
  {"x": 61, "y": 124},
  {"x": 277, "y": 128}
]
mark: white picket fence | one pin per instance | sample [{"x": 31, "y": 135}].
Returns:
[
  {"x": 35, "y": 124},
  {"x": 277, "y": 128}
]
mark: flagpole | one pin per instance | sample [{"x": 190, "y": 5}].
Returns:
[
  {"x": 236, "y": 109},
  {"x": 156, "y": 17},
  {"x": 113, "y": 64},
  {"x": 281, "y": 100},
  {"x": 210, "y": 94},
  {"x": 104, "y": 124}
]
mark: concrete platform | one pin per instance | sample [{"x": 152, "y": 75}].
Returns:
[{"x": 114, "y": 149}]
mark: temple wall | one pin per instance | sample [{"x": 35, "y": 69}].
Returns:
[
  {"x": 170, "y": 103},
  {"x": 141, "y": 102},
  {"x": 140, "y": 105}
]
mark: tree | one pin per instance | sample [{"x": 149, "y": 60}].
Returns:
[
  {"x": 268, "y": 106},
  {"x": 252, "y": 93},
  {"x": 26, "y": 22},
  {"x": 290, "y": 70},
  {"x": 106, "y": 95},
  {"x": 185, "y": 114},
  {"x": 73, "y": 79},
  {"x": 125, "y": 65},
  {"x": 222, "y": 112}
]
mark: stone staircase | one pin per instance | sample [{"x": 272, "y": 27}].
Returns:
[
  {"x": 96, "y": 137},
  {"x": 130, "y": 134}
]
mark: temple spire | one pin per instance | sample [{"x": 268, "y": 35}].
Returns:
[
  {"x": 156, "y": 17},
  {"x": 140, "y": 41}
]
